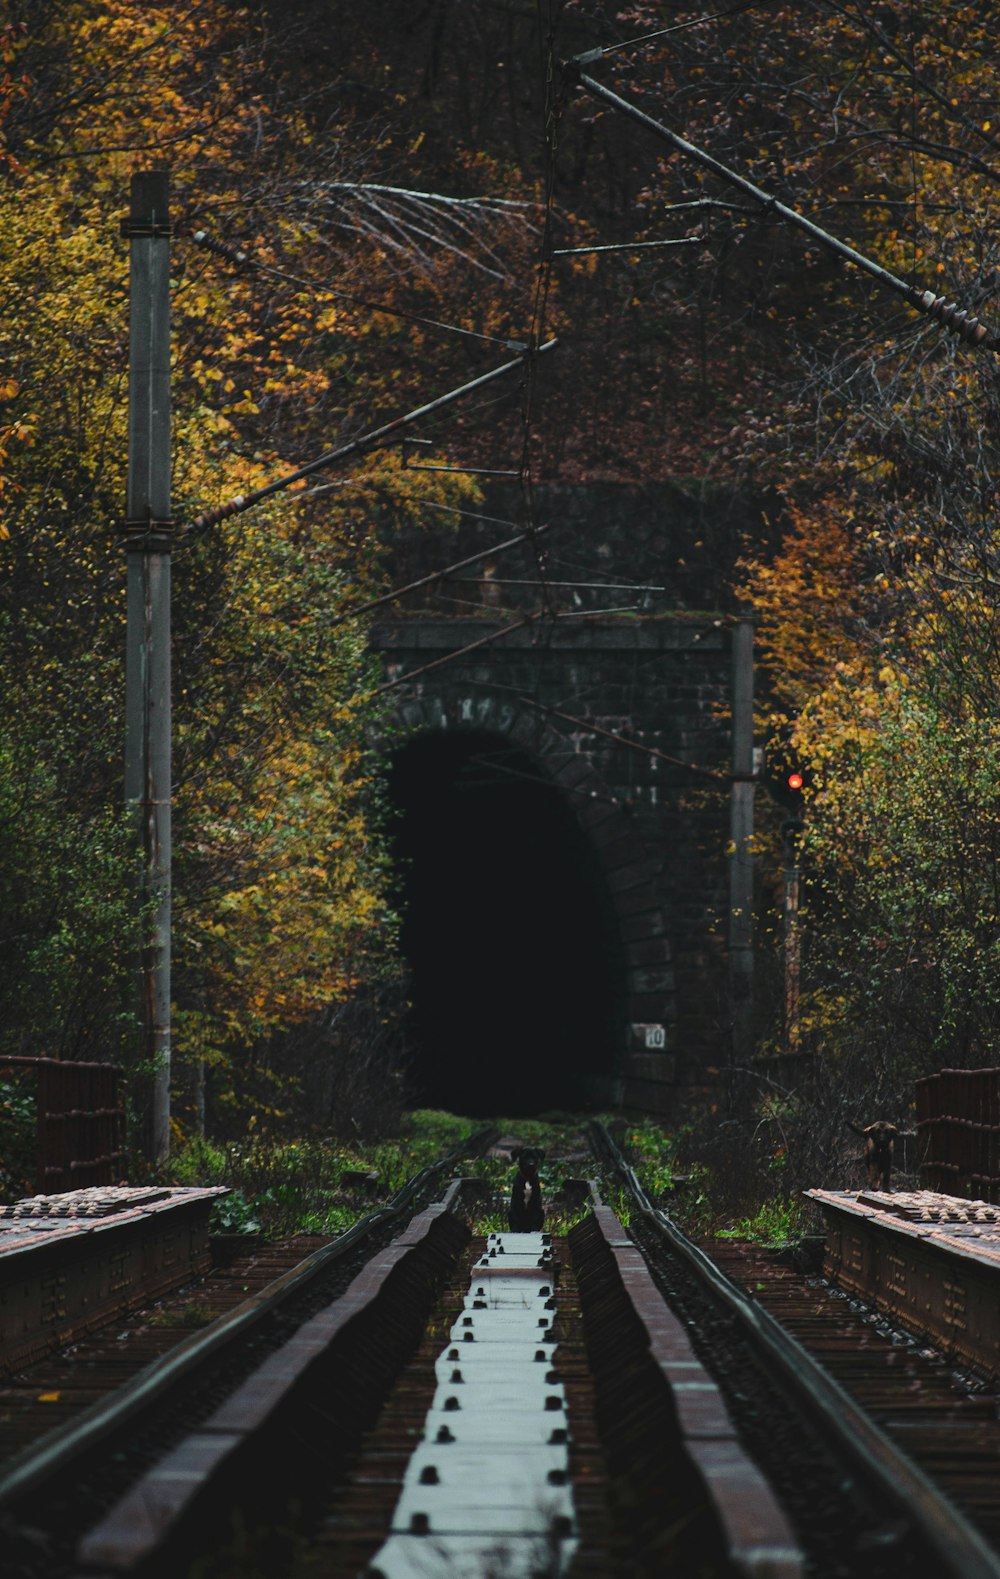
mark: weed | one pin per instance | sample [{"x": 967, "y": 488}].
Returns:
[
  {"x": 234, "y": 1214},
  {"x": 280, "y": 1187},
  {"x": 776, "y": 1224},
  {"x": 199, "y": 1162},
  {"x": 192, "y": 1314}
]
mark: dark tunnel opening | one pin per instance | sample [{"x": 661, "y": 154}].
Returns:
[{"x": 516, "y": 965}]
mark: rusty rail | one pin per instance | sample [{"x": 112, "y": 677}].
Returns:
[
  {"x": 324, "y": 1387},
  {"x": 950, "y": 1542},
  {"x": 652, "y": 1389},
  {"x": 64, "y": 1451}
]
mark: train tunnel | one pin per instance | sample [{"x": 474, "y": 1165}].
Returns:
[{"x": 516, "y": 966}]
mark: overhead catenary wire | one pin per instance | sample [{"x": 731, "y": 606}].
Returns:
[
  {"x": 506, "y": 630},
  {"x": 245, "y": 260},
  {"x": 413, "y": 498},
  {"x": 489, "y": 761},
  {"x": 455, "y": 509},
  {"x": 550, "y": 113},
  {"x": 629, "y": 246},
  {"x": 450, "y": 657},
  {"x": 554, "y": 619},
  {"x": 359, "y": 446},
  {"x": 506, "y": 397},
  {"x": 589, "y": 586},
  {"x": 623, "y": 740},
  {"x": 469, "y": 607},
  {"x": 463, "y": 471},
  {"x": 432, "y": 576},
  {"x": 583, "y": 614},
  {"x": 953, "y": 318},
  {"x": 588, "y": 725},
  {"x": 581, "y": 693},
  {"x": 664, "y": 32}
]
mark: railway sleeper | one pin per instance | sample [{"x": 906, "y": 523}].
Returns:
[
  {"x": 290, "y": 1428},
  {"x": 667, "y": 1489},
  {"x": 680, "y": 1476}
]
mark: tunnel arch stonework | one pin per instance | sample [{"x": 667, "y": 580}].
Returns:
[{"x": 658, "y": 831}]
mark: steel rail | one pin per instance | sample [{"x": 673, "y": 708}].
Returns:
[
  {"x": 24, "y": 1472},
  {"x": 955, "y": 1542}
]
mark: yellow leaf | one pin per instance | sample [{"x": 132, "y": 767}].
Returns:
[{"x": 49, "y": 1398}]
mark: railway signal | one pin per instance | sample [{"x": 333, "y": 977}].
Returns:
[
  {"x": 791, "y": 790},
  {"x": 787, "y": 782}
]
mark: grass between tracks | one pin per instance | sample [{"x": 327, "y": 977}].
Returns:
[{"x": 320, "y": 1185}]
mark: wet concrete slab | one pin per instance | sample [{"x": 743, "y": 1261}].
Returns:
[{"x": 487, "y": 1490}]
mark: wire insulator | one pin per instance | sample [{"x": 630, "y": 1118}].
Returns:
[
  {"x": 222, "y": 512},
  {"x": 954, "y": 318},
  {"x": 222, "y": 249}
]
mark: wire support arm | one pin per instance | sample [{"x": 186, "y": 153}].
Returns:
[
  {"x": 359, "y": 446},
  {"x": 588, "y": 725},
  {"x": 461, "y": 652},
  {"x": 437, "y": 575},
  {"x": 952, "y": 317}
]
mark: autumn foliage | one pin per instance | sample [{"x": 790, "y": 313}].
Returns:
[
  {"x": 280, "y": 900},
  {"x": 435, "y": 162}
]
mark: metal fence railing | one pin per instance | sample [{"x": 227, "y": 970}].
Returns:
[
  {"x": 958, "y": 1121},
  {"x": 79, "y": 1124}
]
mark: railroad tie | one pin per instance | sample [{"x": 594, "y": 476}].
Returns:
[{"x": 488, "y": 1488}]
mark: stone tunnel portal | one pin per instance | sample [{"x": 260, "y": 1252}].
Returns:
[{"x": 517, "y": 968}]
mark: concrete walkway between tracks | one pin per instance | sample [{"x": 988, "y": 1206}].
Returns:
[{"x": 487, "y": 1491}]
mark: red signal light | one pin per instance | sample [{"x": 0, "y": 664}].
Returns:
[{"x": 794, "y": 781}]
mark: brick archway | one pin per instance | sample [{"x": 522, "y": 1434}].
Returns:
[{"x": 644, "y": 1069}]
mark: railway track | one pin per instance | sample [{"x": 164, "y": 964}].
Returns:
[
  {"x": 53, "y": 1392},
  {"x": 552, "y": 1438},
  {"x": 539, "y": 1347},
  {"x": 596, "y": 1404},
  {"x": 943, "y": 1419},
  {"x": 81, "y": 1424},
  {"x": 885, "y": 1457}
]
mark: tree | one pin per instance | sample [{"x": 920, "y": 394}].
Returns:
[
  {"x": 280, "y": 883},
  {"x": 431, "y": 160}
]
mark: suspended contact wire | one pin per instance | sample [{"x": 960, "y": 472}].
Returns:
[
  {"x": 663, "y": 32},
  {"x": 242, "y": 259},
  {"x": 539, "y": 309},
  {"x": 582, "y": 693},
  {"x": 377, "y": 438}
]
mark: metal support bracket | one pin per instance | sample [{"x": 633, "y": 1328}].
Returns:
[
  {"x": 148, "y": 536},
  {"x": 134, "y": 227}
]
